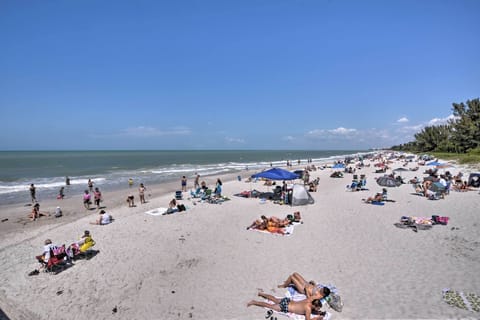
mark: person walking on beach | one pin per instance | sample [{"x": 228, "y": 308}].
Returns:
[
  {"x": 184, "y": 183},
  {"x": 90, "y": 185},
  {"x": 141, "y": 193},
  {"x": 67, "y": 180},
  {"x": 197, "y": 181},
  {"x": 32, "y": 193},
  {"x": 97, "y": 197}
]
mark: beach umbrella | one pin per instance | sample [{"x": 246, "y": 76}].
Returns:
[
  {"x": 437, "y": 187},
  {"x": 387, "y": 181},
  {"x": 276, "y": 174}
]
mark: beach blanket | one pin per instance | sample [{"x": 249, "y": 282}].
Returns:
[
  {"x": 156, "y": 211},
  {"x": 462, "y": 300},
  {"x": 288, "y": 230}
]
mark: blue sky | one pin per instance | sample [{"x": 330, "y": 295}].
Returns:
[{"x": 269, "y": 74}]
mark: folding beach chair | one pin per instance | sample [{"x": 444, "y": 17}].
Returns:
[{"x": 178, "y": 195}]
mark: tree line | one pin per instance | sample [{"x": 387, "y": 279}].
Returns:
[{"x": 461, "y": 134}]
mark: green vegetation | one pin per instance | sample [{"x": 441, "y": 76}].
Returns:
[
  {"x": 459, "y": 139},
  {"x": 461, "y": 158}
]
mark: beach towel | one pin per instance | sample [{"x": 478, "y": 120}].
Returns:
[
  {"x": 156, "y": 211},
  {"x": 462, "y": 300},
  {"x": 377, "y": 203}
]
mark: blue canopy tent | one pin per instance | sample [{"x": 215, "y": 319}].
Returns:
[
  {"x": 276, "y": 174},
  {"x": 339, "y": 166}
]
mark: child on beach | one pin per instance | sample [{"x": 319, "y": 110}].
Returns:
[
  {"x": 36, "y": 212},
  {"x": 305, "y": 307},
  {"x": 86, "y": 200},
  {"x": 131, "y": 200}
]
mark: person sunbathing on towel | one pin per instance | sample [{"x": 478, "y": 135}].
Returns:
[
  {"x": 310, "y": 289},
  {"x": 305, "y": 307},
  {"x": 274, "y": 224},
  {"x": 376, "y": 198}
]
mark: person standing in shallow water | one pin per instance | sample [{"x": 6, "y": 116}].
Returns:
[{"x": 32, "y": 193}]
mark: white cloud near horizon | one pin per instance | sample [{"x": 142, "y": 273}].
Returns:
[
  {"x": 142, "y": 131},
  {"x": 402, "y": 120},
  {"x": 234, "y": 140},
  {"x": 339, "y": 132}
]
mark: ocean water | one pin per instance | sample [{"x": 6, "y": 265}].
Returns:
[{"x": 110, "y": 170}]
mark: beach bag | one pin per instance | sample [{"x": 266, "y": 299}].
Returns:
[
  {"x": 440, "y": 220},
  {"x": 443, "y": 220},
  {"x": 335, "y": 302}
]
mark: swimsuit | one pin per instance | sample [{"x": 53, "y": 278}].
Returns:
[{"x": 284, "y": 304}]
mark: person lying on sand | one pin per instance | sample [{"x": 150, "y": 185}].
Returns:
[
  {"x": 305, "y": 307},
  {"x": 274, "y": 224},
  {"x": 310, "y": 289}
]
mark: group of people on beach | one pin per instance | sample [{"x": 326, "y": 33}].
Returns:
[{"x": 61, "y": 253}]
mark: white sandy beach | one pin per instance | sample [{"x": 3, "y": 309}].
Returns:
[{"x": 204, "y": 264}]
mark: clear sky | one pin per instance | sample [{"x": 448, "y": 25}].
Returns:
[{"x": 263, "y": 74}]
